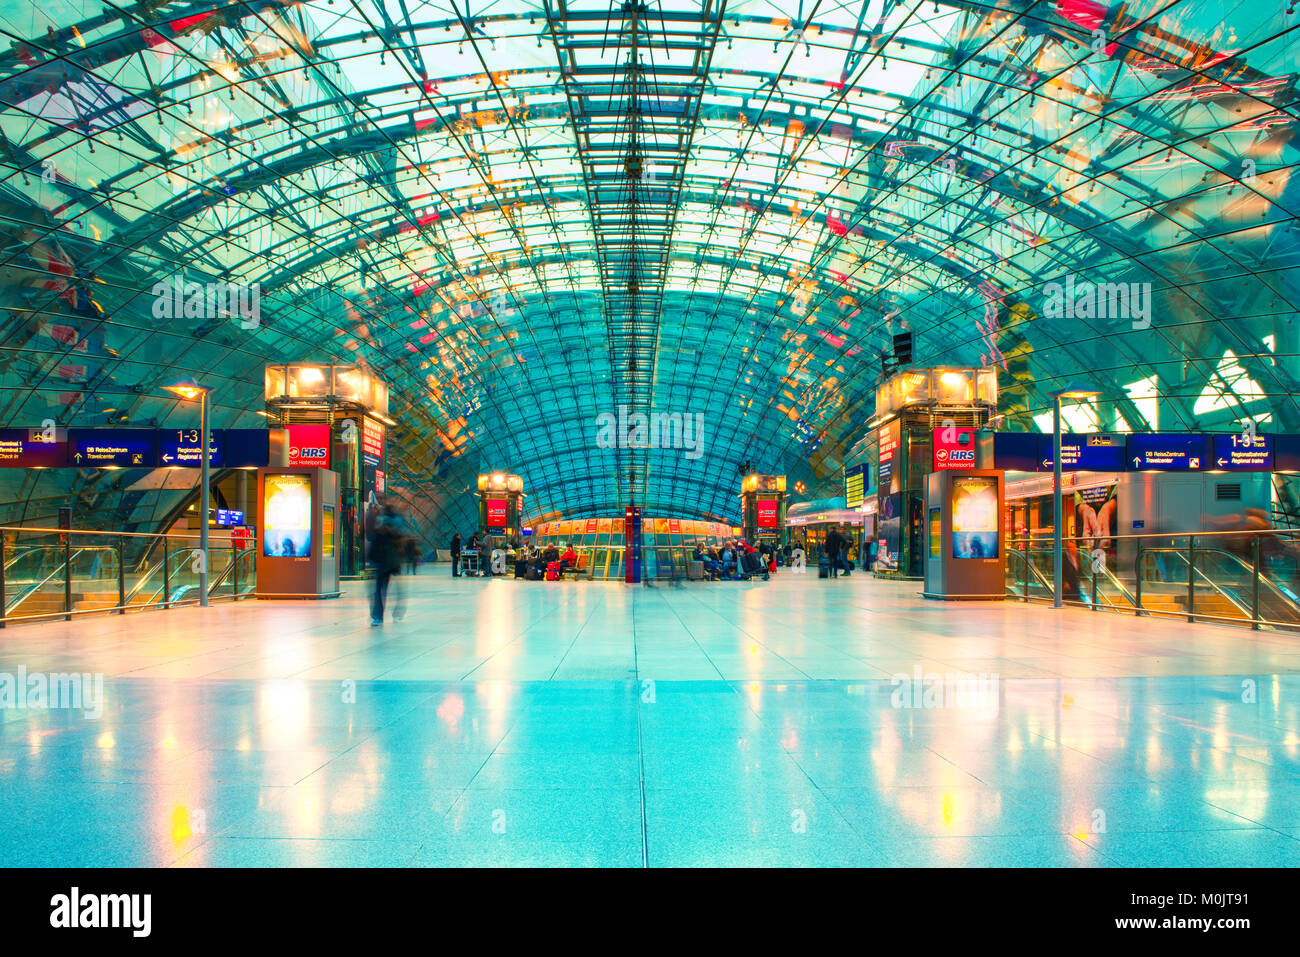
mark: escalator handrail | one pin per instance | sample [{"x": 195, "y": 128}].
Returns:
[
  {"x": 228, "y": 571},
  {"x": 22, "y": 595},
  {"x": 1042, "y": 580},
  {"x": 1277, "y": 589},
  {"x": 1232, "y": 599}
]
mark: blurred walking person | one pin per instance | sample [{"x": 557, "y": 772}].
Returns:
[{"x": 385, "y": 551}]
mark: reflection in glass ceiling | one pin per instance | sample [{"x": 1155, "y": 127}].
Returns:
[{"x": 528, "y": 214}]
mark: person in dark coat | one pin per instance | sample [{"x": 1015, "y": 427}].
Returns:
[
  {"x": 455, "y": 555},
  {"x": 385, "y": 551},
  {"x": 833, "y": 552}
]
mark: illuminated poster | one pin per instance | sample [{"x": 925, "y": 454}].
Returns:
[
  {"x": 975, "y": 517},
  {"x": 889, "y": 523},
  {"x": 327, "y": 532},
  {"x": 496, "y": 513},
  {"x": 372, "y": 442},
  {"x": 766, "y": 513},
  {"x": 286, "y": 508}
]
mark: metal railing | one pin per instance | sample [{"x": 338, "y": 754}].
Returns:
[
  {"x": 1234, "y": 577},
  {"x": 50, "y": 573}
]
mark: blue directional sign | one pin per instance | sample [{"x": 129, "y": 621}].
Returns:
[
  {"x": 29, "y": 448},
  {"x": 1243, "y": 452},
  {"x": 1168, "y": 451},
  {"x": 245, "y": 448},
  {"x": 113, "y": 448},
  {"x": 183, "y": 448},
  {"x": 1019, "y": 451},
  {"x": 1085, "y": 452}
]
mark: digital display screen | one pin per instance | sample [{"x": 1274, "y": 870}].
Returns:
[
  {"x": 327, "y": 532},
  {"x": 854, "y": 485},
  {"x": 975, "y": 517},
  {"x": 286, "y": 507}
]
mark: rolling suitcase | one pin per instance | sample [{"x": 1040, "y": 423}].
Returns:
[
  {"x": 552, "y": 571},
  {"x": 823, "y": 569}
]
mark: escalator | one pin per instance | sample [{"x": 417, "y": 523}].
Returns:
[{"x": 1221, "y": 585}]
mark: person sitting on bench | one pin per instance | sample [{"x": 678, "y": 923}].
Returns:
[{"x": 569, "y": 560}]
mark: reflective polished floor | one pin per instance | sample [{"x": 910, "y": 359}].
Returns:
[{"x": 795, "y": 722}]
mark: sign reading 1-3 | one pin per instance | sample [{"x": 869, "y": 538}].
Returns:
[
  {"x": 184, "y": 447},
  {"x": 1243, "y": 452}
]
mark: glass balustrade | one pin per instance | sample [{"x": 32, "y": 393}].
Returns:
[{"x": 51, "y": 573}]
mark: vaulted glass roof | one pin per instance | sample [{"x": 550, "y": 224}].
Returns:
[{"x": 525, "y": 215}]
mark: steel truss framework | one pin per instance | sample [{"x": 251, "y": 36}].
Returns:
[{"x": 528, "y": 214}]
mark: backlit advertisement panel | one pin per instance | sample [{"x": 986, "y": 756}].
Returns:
[
  {"x": 286, "y": 510},
  {"x": 975, "y": 517}
]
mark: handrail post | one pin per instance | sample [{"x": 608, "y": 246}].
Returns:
[
  {"x": 1254, "y": 588},
  {"x": 1093, "y": 565},
  {"x": 67, "y": 578},
  {"x": 121, "y": 575},
  {"x": 1026, "y": 589},
  {"x": 1137, "y": 579},
  {"x": 234, "y": 560},
  {"x": 1191, "y": 578},
  {"x": 167, "y": 589}
]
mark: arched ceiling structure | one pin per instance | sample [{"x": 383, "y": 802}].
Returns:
[{"x": 525, "y": 215}]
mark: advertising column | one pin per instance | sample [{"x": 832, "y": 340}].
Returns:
[{"x": 889, "y": 496}]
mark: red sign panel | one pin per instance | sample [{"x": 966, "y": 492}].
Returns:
[
  {"x": 954, "y": 448},
  {"x": 309, "y": 445},
  {"x": 496, "y": 513},
  {"x": 372, "y": 442},
  {"x": 591, "y": 526},
  {"x": 674, "y": 526},
  {"x": 766, "y": 513}
]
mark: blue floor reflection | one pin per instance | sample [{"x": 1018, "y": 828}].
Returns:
[{"x": 1165, "y": 771}]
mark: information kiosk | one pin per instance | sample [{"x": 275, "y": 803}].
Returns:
[
  {"x": 965, "y": 551},
  {"x": 297, "y": 532},
  {"x": 763, "y": 508}
]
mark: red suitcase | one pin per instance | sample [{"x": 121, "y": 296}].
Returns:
[{"x": 552, "y": 571}]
